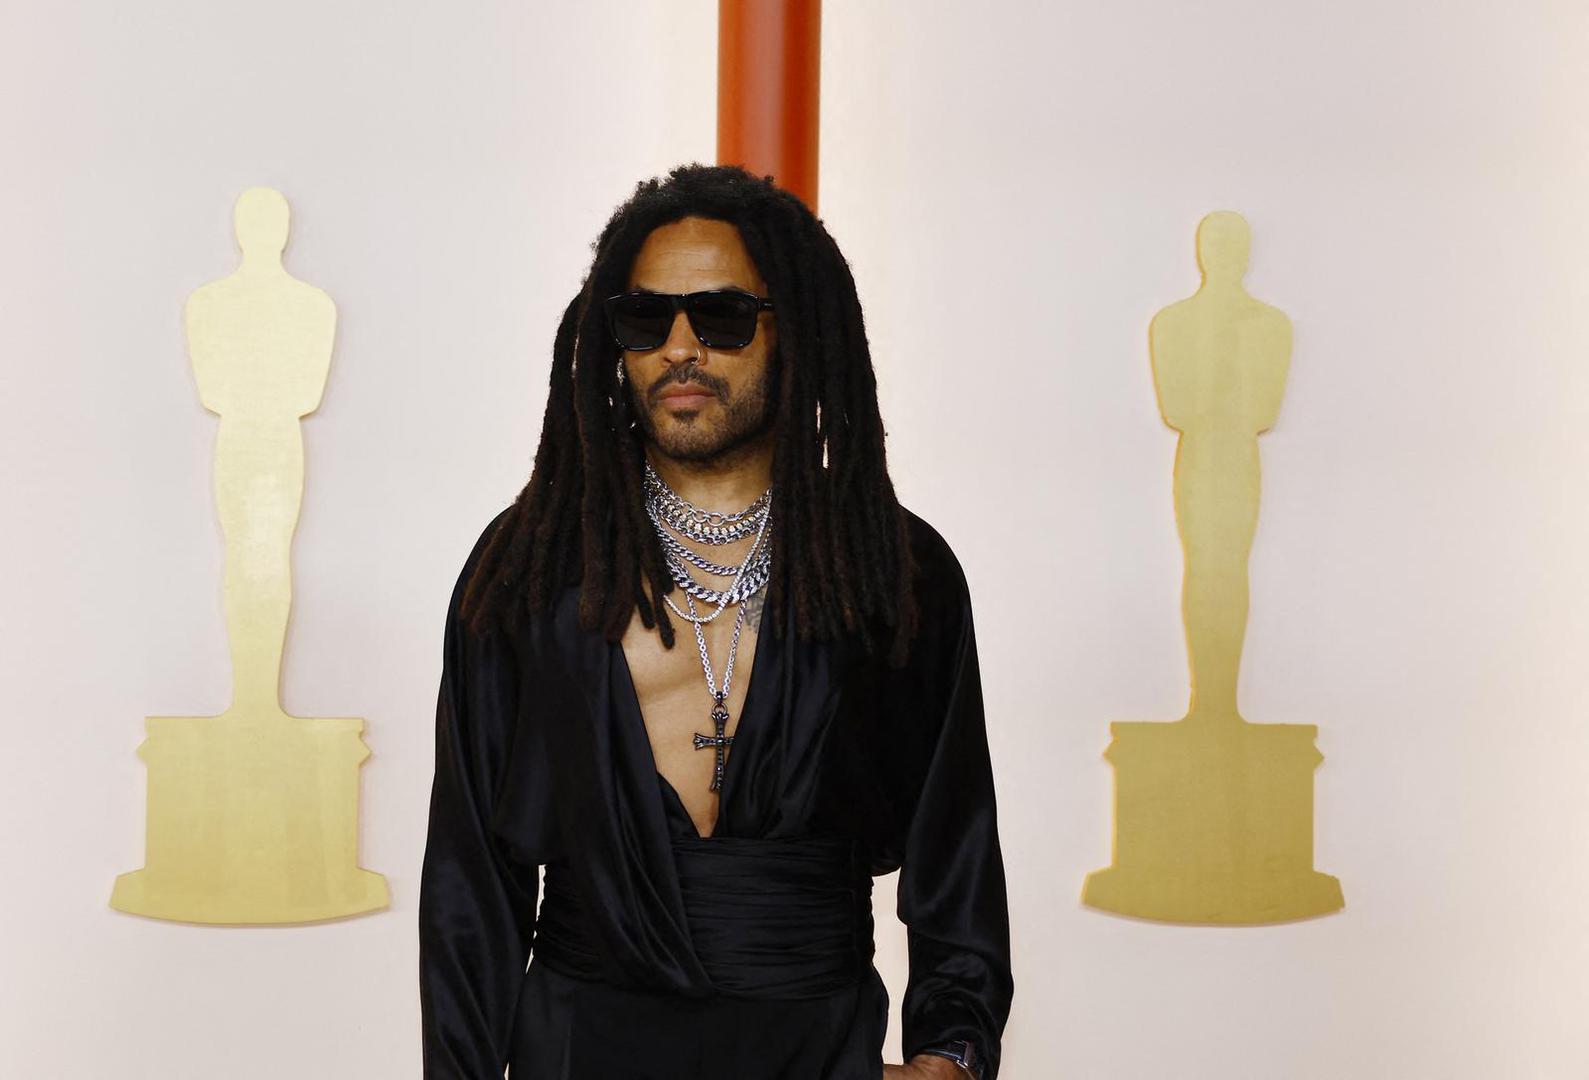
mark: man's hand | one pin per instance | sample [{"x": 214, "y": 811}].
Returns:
[{"x": 925, "y": 1067}]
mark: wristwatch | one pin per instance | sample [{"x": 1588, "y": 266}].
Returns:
[{"x": 960, "y": 1051}]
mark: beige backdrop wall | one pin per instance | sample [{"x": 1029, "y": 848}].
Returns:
[{"x": 1017, "y": 187}]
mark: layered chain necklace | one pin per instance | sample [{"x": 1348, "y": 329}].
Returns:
[{"x": 670, "y": 511}]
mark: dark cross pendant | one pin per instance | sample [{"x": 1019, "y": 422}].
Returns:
[{"x": 720, "y": 720}]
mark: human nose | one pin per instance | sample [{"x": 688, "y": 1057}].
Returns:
[{"x": 682, "y": 344}]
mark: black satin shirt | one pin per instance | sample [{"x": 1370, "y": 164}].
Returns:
[{"x": 747, "y": 954}]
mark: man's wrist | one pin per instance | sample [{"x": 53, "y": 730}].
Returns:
[{"x": 961, "y": 1053}]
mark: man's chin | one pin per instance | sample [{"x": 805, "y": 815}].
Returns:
[
  {"x": 686, "y": 443},
  {"x": 695, "y": 454},
  {"x": 693, "y": 439}
]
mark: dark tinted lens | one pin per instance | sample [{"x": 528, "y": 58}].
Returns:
[
  {"x": 642, "y": 322},
  {"x": 724, "y": 321}
]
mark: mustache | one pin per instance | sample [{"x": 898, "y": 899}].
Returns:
[{"x": 664, "y": 383}]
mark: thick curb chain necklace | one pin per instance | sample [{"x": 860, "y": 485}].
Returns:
[
  {"x": 708, "y": 526},
  {"x": 666, "y": 508},
  {"x": 749, "y": 577}
]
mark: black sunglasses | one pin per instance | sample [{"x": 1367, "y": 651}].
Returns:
[{"x": 721, "y": 318}]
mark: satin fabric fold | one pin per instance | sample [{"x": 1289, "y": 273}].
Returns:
[
  {"x": 770, "y": 918},
  {"x": 774, "y": 918},
  {"x": 543, "y": 759}
]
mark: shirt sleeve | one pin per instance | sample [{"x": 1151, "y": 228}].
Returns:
[
  {"x": 476, "y": 905},
  {"x": 952, "y": 896}
]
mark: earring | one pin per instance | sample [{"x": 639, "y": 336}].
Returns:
[{"x": 618, "y": 404}]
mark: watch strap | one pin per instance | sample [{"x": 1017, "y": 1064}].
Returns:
[{"x": 960, "y": 1051}]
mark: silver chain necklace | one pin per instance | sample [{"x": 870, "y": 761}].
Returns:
[{"x": 667, "y": 509}]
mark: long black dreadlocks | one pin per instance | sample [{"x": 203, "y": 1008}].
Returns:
[{"x": 840, "y": 538}]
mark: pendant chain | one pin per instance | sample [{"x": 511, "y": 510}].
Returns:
[{"x": 668, "y": 510}]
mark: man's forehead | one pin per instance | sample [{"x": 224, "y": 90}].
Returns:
[
  {"x": 726, "y": 283},
  {"x": 705, "y": 259}
]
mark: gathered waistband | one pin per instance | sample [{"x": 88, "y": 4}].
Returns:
[{"x": 787, "y": 917}]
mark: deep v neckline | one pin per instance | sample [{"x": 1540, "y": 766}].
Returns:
[{"x": 747, "y": 712}]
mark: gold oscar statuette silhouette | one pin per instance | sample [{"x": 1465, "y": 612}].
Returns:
[
  {"x": 1214, "y": 814},
  {"x": 253, "y": 814}
]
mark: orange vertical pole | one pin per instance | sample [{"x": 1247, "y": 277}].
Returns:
[{"x": 769, "y": 68}]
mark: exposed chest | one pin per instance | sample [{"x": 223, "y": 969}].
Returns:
[{"x": 671, "y": 688}]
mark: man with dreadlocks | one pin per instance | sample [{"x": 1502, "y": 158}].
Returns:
[{"x": 709, "y": 837}]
